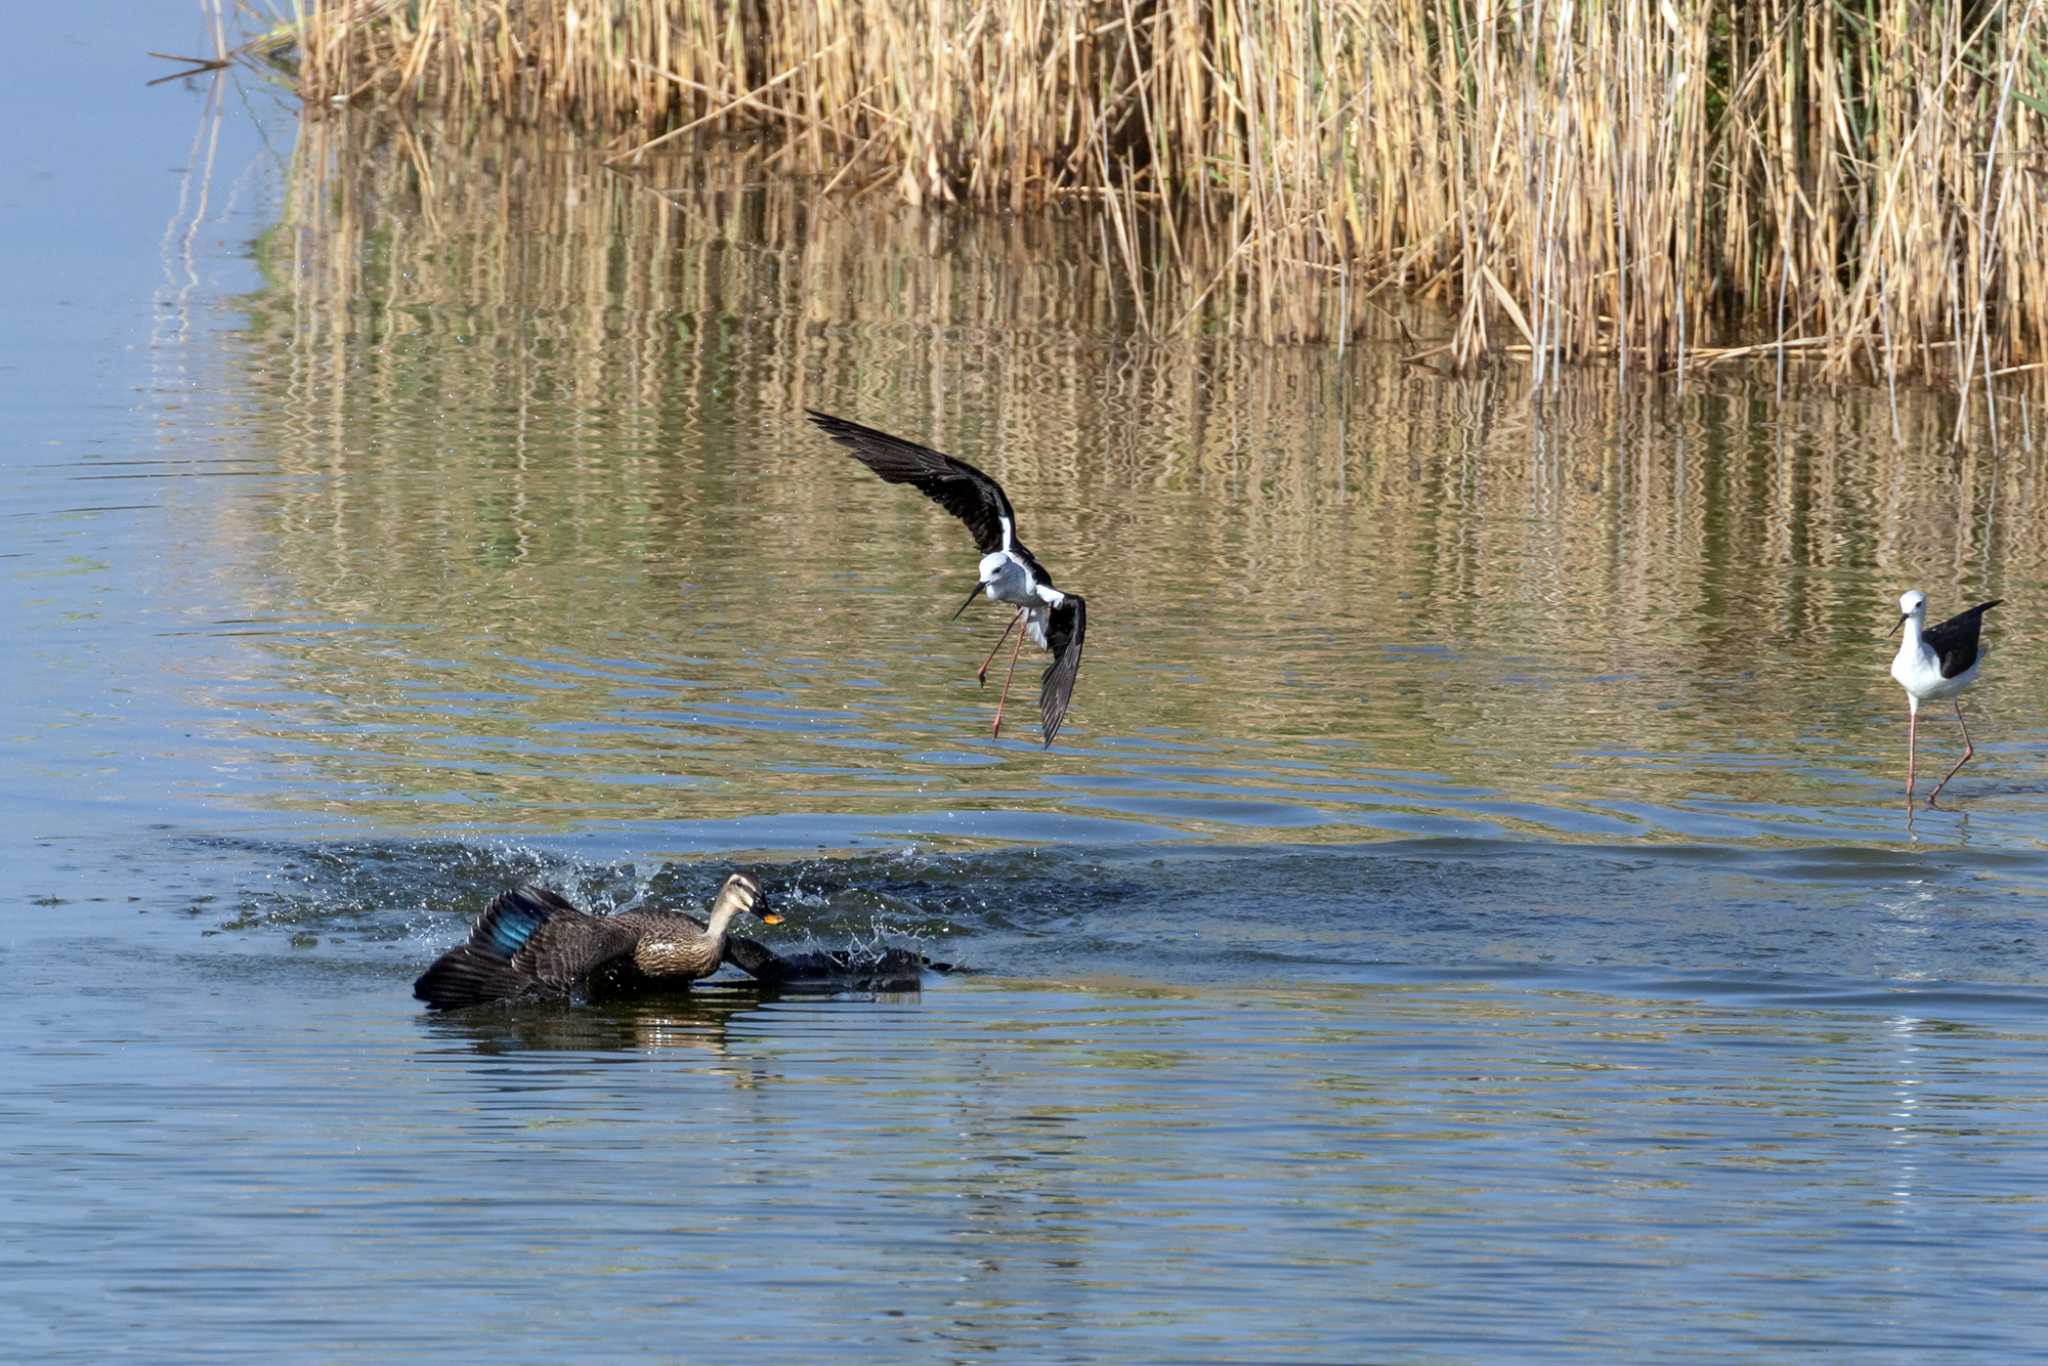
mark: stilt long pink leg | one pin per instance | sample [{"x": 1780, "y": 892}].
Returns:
[
  {"x": 1006, "y": 682},
  {"x": 1912, "y": 724},
  {"x": 981, "y": 674},
  {"x": 1968, "y": 750}
]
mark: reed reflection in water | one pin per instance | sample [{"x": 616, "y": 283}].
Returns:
[{"x": 554, "y": 543}]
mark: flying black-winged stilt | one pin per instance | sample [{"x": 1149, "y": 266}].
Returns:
[
  {"x": 1008, "y": 573},
  {"x": 1934, "y": 662}
]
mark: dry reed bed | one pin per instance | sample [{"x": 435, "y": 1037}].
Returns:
[{"x": 1857, "y": 186}]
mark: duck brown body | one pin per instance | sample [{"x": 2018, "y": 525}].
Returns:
[{"x": 532, "y": 945}]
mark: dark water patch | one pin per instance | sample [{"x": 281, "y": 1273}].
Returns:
[{"x": 1518, "y": 914}]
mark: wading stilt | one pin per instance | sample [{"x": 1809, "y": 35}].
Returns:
[{"x": 1936, "y": 662}]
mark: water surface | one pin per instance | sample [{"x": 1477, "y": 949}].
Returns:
[{"x": 1469, "y": 914}]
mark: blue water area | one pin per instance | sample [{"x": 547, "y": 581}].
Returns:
[
  {"x": 1392, "y": 1101},
  {"x": 1470, "y": 915}
]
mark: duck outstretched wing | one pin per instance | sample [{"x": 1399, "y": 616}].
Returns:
[{"x": 529, "y": 944}]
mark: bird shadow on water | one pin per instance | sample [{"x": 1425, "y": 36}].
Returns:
[
  {"x": 705, "y": 1019},
  {"x": 1950, "y": 822}
]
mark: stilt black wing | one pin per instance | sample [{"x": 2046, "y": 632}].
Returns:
[
  {"x": 1954, "y": 642},
  {"x": 1064, "y": 631},
  {"x": 954, "y": 485}
]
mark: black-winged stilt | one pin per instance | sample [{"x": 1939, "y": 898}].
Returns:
[
  {"x": 1934, "y": 662},
  {"x": 1008, "y": 573}
]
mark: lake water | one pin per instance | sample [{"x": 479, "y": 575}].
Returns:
[{"x": 1471, "y": 913}]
